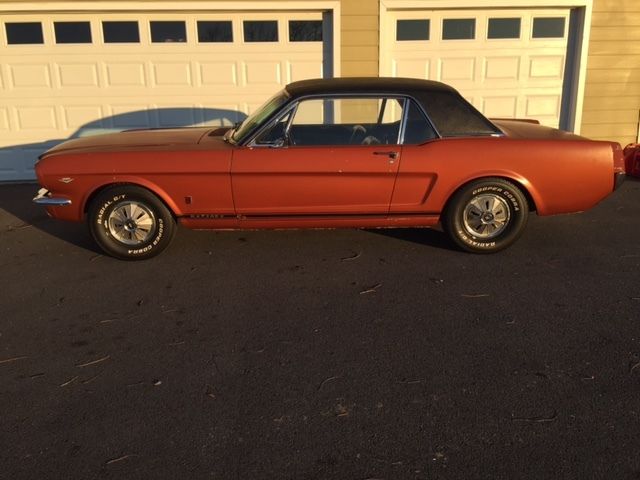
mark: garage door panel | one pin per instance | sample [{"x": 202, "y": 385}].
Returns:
[
  {"x": 262, "y": 73},
  {"x": 218, "y": 74},
  {"x": 30, "y": 75},
  {"x": 172, "y": 74},
  {"x": 11, "y": 163},
  {"x": 502, "y": 67},
  {"x": 130, "y": 116},
  {"x": 543, "y": 106},
  {"x": 403, "y": 67},
  {"x": 16, "y": 163},
  {"x": 516, "y": 70},
  {"x": 457, "y": 69},
  {"x": 500, "y": 107},
  {"x": 5, "y": 126},
  {"x": 37, "y": 118},
  {"x": 125, "y": 74},
  {"x": 77, "y": 116},
  {"x": 301, "y": 70},
  {"x": 51, "y": 91},
  {"x": 547, "y": 67},
  {"x": 77, "y": 75}
]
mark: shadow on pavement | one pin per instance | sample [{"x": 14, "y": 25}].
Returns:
[
  {"x": 15, "y": 199},
  {"x": 430, "y": 237}
]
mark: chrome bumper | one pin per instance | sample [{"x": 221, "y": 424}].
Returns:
[{"x": 44, "y": 198}]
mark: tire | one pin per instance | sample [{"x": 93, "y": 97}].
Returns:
[
  {"x": 486, "y": 215},
  {"x": 130, "y": 223}
]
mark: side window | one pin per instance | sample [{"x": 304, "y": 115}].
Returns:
[
  {"x": 417, "y": 130},
  {"x": 347, "y": 121}
]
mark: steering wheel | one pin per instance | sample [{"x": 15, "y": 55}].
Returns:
[{"x": 355, "y": 130}]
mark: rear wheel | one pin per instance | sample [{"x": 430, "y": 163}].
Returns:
[
  {"x": 130, "y": 223},
  {"x": 486, "y": 215}
]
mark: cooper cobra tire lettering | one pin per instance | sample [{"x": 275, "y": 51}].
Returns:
[{"x": 486, "y": 215}]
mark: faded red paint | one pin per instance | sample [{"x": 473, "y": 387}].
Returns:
[{"x": 208, "y": 183}]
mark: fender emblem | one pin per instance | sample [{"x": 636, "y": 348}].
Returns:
[{"x": 66, "y": 180}]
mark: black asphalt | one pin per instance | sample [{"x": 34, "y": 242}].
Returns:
[{"x": 340, "y": 354}]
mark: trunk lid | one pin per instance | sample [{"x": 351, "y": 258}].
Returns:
[{"x": 533, "y": 131}]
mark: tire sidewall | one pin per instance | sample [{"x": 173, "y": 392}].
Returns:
[
  {"x": 518, "y": 213},
  {"x": 102, "y": 207}
]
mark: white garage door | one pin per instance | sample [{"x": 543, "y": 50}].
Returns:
[
  {"x": 70, "y": 75},
  {"x": 508, "y": 63}
]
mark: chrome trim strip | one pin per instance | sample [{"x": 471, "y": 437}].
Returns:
[{"x": 406, "y": 103}]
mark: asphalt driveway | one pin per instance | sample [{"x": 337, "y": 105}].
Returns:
[{"x": 341, "y": 354}]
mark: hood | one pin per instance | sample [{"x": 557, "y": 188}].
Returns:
[
  {"x": 527, "y": 130},
  {"x": 133, "y": 138}
]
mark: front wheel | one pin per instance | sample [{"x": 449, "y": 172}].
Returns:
[
  {"x": 130, "y": 223},
  {"x": 486, "y": 216}
]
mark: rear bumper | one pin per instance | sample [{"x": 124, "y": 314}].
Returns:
[
  {"x": 44, "y": 198},
  {"x": 632, "y": 159}
]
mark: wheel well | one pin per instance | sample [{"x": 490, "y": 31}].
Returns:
[
  {"x": 530, "y": 202},
  {"x": 101, "y": 189}
]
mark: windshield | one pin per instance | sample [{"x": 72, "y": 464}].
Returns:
[{"x": 260, "y": 115}]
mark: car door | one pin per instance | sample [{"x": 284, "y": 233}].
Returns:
[
  {"x": 423, "y": 163},
  {"x": 326, "y": 156}
]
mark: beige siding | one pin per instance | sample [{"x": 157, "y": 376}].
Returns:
[
  {"x": 612, "y": 93},
  {"x": 359, "y": 49}
]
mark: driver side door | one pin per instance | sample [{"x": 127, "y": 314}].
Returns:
[{"x": 324, "y": 157}]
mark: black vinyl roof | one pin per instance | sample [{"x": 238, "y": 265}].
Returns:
[{"x": 387, "y": 85}]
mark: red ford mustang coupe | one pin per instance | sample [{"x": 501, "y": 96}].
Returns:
[{"x": 347, "y": 152}]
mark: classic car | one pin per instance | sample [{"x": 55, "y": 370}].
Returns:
[{"x": 344, "y": 152}]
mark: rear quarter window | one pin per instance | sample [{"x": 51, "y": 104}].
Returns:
[{"x": 453, "y": 116}]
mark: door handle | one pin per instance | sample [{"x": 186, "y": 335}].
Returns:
[{"x": 391, "y": 154}]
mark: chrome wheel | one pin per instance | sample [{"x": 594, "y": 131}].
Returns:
[
  {"x": 486, "y": 216},
  {"x": 131, "y": 223}
]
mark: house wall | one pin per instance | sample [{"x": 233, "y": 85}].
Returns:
[
  {"x": 612, "y": 90},
  {"x": 360, "y": 38}
]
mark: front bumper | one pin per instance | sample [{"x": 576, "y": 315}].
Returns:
[{"x": 44, "y": 198}]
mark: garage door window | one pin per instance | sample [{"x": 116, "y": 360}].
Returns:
[
  {"x": 260, "y": 30},
  {"x": 168, "y": 32},
  {"x": 27, "y": 33},
  {"x": 548, "y": 27},
  {"x": 305, "y": 30},
  {"x": 504, "y": 28},
  {"x": 411, "y": 30},
  {"x": 458, "y": 29},
  {"x": 121, "y": 32},
  {"x": 72, "y": 32},
  {"x": 218, "y": 31}
]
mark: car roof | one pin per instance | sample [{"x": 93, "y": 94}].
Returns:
[{"x": 364, "y": 85}]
